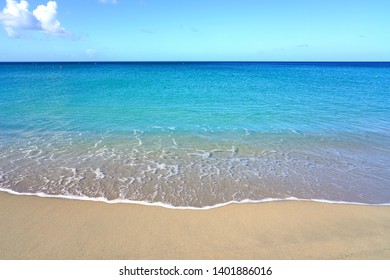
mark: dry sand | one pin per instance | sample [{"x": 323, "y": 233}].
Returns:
[{"x": 48, "y": 228}]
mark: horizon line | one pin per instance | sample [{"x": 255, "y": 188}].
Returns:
[{"x": 198, "y": 61}]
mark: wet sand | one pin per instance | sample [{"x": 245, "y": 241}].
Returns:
[{"x": 49, "y": 228}]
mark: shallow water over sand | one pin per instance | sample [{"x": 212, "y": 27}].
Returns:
[{"x": 196, "y": 134}]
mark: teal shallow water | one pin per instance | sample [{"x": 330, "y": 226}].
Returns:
[{"x": 196, "y": 134}]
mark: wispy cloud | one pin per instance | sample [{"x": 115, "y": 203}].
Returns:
[
  {"x": 16, "y": 17},
  {"x": 108, "y": 1}
]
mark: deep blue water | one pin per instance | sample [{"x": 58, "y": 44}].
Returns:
[{"x": 197, "y": 134}]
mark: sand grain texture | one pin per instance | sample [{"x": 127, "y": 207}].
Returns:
[{"x": 49, "y": 228}]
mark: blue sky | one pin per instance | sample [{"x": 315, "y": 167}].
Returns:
[{"x": 161, "y": 30}]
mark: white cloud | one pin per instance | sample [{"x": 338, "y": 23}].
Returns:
[
  {"x": 46, "y": 15},
  {"x": 16, "y": 17}
]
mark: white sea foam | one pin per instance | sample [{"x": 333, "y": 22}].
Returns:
[
  {"x": 170, "y": 206},
  {"x": 99, "y": 173},
  {"x": 97, "y": 143},
  {"x": 202, "y": 154}
]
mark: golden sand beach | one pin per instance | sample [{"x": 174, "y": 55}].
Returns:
[{"x": 50, "y": 228}]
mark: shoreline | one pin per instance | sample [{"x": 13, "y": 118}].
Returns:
[
  {"x": 169, "y": 206},
  {"x": 33, "y": 227}
]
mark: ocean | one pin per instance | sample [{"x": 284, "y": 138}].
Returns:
[{"x": 196, "y": 134}]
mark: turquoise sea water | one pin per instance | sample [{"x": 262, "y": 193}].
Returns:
[{"x": 196, "y": 134}]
